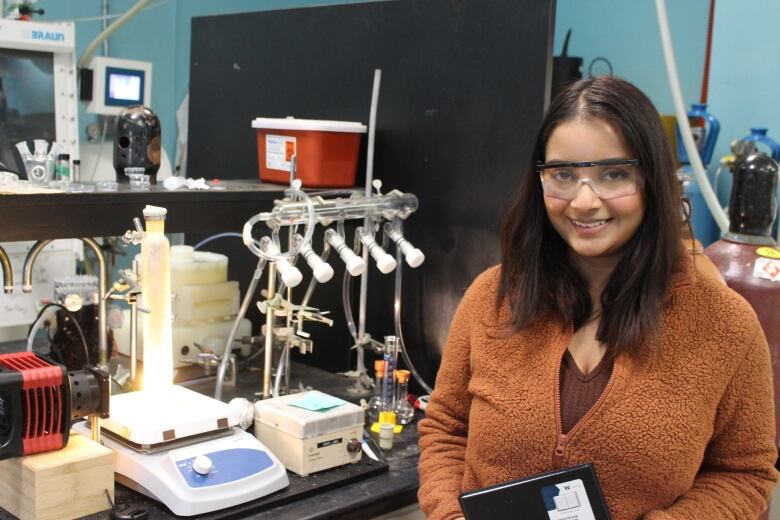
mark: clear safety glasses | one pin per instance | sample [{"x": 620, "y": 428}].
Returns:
[{"x": 609, "y": 179}]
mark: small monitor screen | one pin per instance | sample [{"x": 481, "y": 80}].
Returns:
[{"x": 124, "y": 87}]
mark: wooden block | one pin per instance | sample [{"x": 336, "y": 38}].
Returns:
[{"x": 69, "y": 483}]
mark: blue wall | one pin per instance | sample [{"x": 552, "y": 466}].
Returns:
[
  {"x": 744, "y": 75},
  {"x": 626, "y": 33},
  {"x": 160, "y": 34}
]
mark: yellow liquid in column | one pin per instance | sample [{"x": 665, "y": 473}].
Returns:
[{"x": 156, "y": 298}]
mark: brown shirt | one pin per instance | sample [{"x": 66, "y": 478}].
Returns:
[{"x": 579, "y": 392}]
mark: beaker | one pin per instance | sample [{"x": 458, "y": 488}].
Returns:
[{"x": 40, "y": 168}]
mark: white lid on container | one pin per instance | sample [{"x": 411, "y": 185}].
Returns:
[
  {"x": 154, "y": 212},
  {"x": 182, "y": 253},
  {"x": 313, "y": 125}
]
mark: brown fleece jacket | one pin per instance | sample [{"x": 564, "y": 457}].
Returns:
[{"x": 685, "y": 434}]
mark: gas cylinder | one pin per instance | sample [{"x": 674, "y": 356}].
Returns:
[
  {"x": 757, "y": 141},
  {"x": 705, "y": 129},
  {"x": 759, "y": 135},
  {"x": 748, "y": 256}
]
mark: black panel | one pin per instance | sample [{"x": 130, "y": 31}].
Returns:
[
  {"x": 463, "y": 88},
  {"x": 11, "y": 414}
]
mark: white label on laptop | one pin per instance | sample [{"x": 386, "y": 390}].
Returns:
[
  {"x": 279, "y": 149},
  {"x": 567, "y": 501}
]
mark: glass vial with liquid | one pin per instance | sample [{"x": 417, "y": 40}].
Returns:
[
  {"x": 62, "y": 168},
  {"x": 404, "y": 412},
  {"x": 375, "y": 404}
]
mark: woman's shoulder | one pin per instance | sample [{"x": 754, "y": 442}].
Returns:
[
  {"x": 705, "y": 301},
  {"x": 487, "y": 279},
  {"x": 483, "y": 290},
  {"x": 716, "y": 296}
]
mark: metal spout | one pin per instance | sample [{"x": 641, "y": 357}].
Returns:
[
  {"x": 102, "y": 289},
  {"x": 8, "y": 273}
]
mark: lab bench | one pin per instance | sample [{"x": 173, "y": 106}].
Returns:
[
  {"x": 349, "y": 493},
  {"x": 105, "y": 214},
  {"x": 353, "y": 492}
]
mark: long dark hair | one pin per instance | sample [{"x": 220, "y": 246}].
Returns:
[{"x": 537, "y": 276}]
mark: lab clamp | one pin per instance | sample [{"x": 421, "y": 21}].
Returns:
[{"x": 380, "y": 213}]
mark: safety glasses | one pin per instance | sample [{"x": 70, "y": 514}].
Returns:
[{"x": 609, "y": 178}]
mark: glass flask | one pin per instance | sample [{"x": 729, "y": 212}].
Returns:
[
  {"x": 375, "y": 404},
  {"x": 404, "y": 412}
]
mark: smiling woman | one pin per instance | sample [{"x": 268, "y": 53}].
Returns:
[
  {"x": 597, "y": 340},
  {"x": 614, "y": 255},
  {"x": 596, "y": 218}
]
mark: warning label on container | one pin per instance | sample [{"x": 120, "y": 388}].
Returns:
[
  {"x": 768, "y": 252},
  {"x": 767, "y": 268},
  {"x": 279, "y": 150}
]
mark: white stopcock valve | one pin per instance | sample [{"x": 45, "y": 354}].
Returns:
[
  {"x": 323, "y": 272},
  {"x": 355, "y": 264},
  {"x": 291, "y": 276},
  {"x": 413, "y": 256},
  {"x": 384, "y": 262}
]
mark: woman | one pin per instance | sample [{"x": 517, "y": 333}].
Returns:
[{"x": 597, "y": 340}]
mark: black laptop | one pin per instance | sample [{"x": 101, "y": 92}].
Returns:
[{"x": 565, "y": 494}]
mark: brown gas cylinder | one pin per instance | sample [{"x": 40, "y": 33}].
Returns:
[{"x": 748, "y": 257}]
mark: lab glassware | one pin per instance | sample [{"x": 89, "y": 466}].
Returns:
[
  {"x": 404, "y": 413},
  {"x": 375, "y": 404}
]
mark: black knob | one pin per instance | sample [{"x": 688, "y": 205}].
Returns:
[{"x": 353, "y": 446}]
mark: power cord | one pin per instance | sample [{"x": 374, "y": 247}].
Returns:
[{"x": 72, "y": 318}]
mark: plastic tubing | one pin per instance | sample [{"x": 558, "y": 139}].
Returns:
[
  {"x": 682, "y": 120},
  {"x": 280, "y": 369},
  {"x": 311, "y": 221},
  {"x": 346, "y": 288},
  {"x": 397, "y": 321},
  {"x": 223, "y": 364},
  {"x": 37, "y": 325},
  {"x": 215, "y": 237},
  {"x": 119, "y": 22}
]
